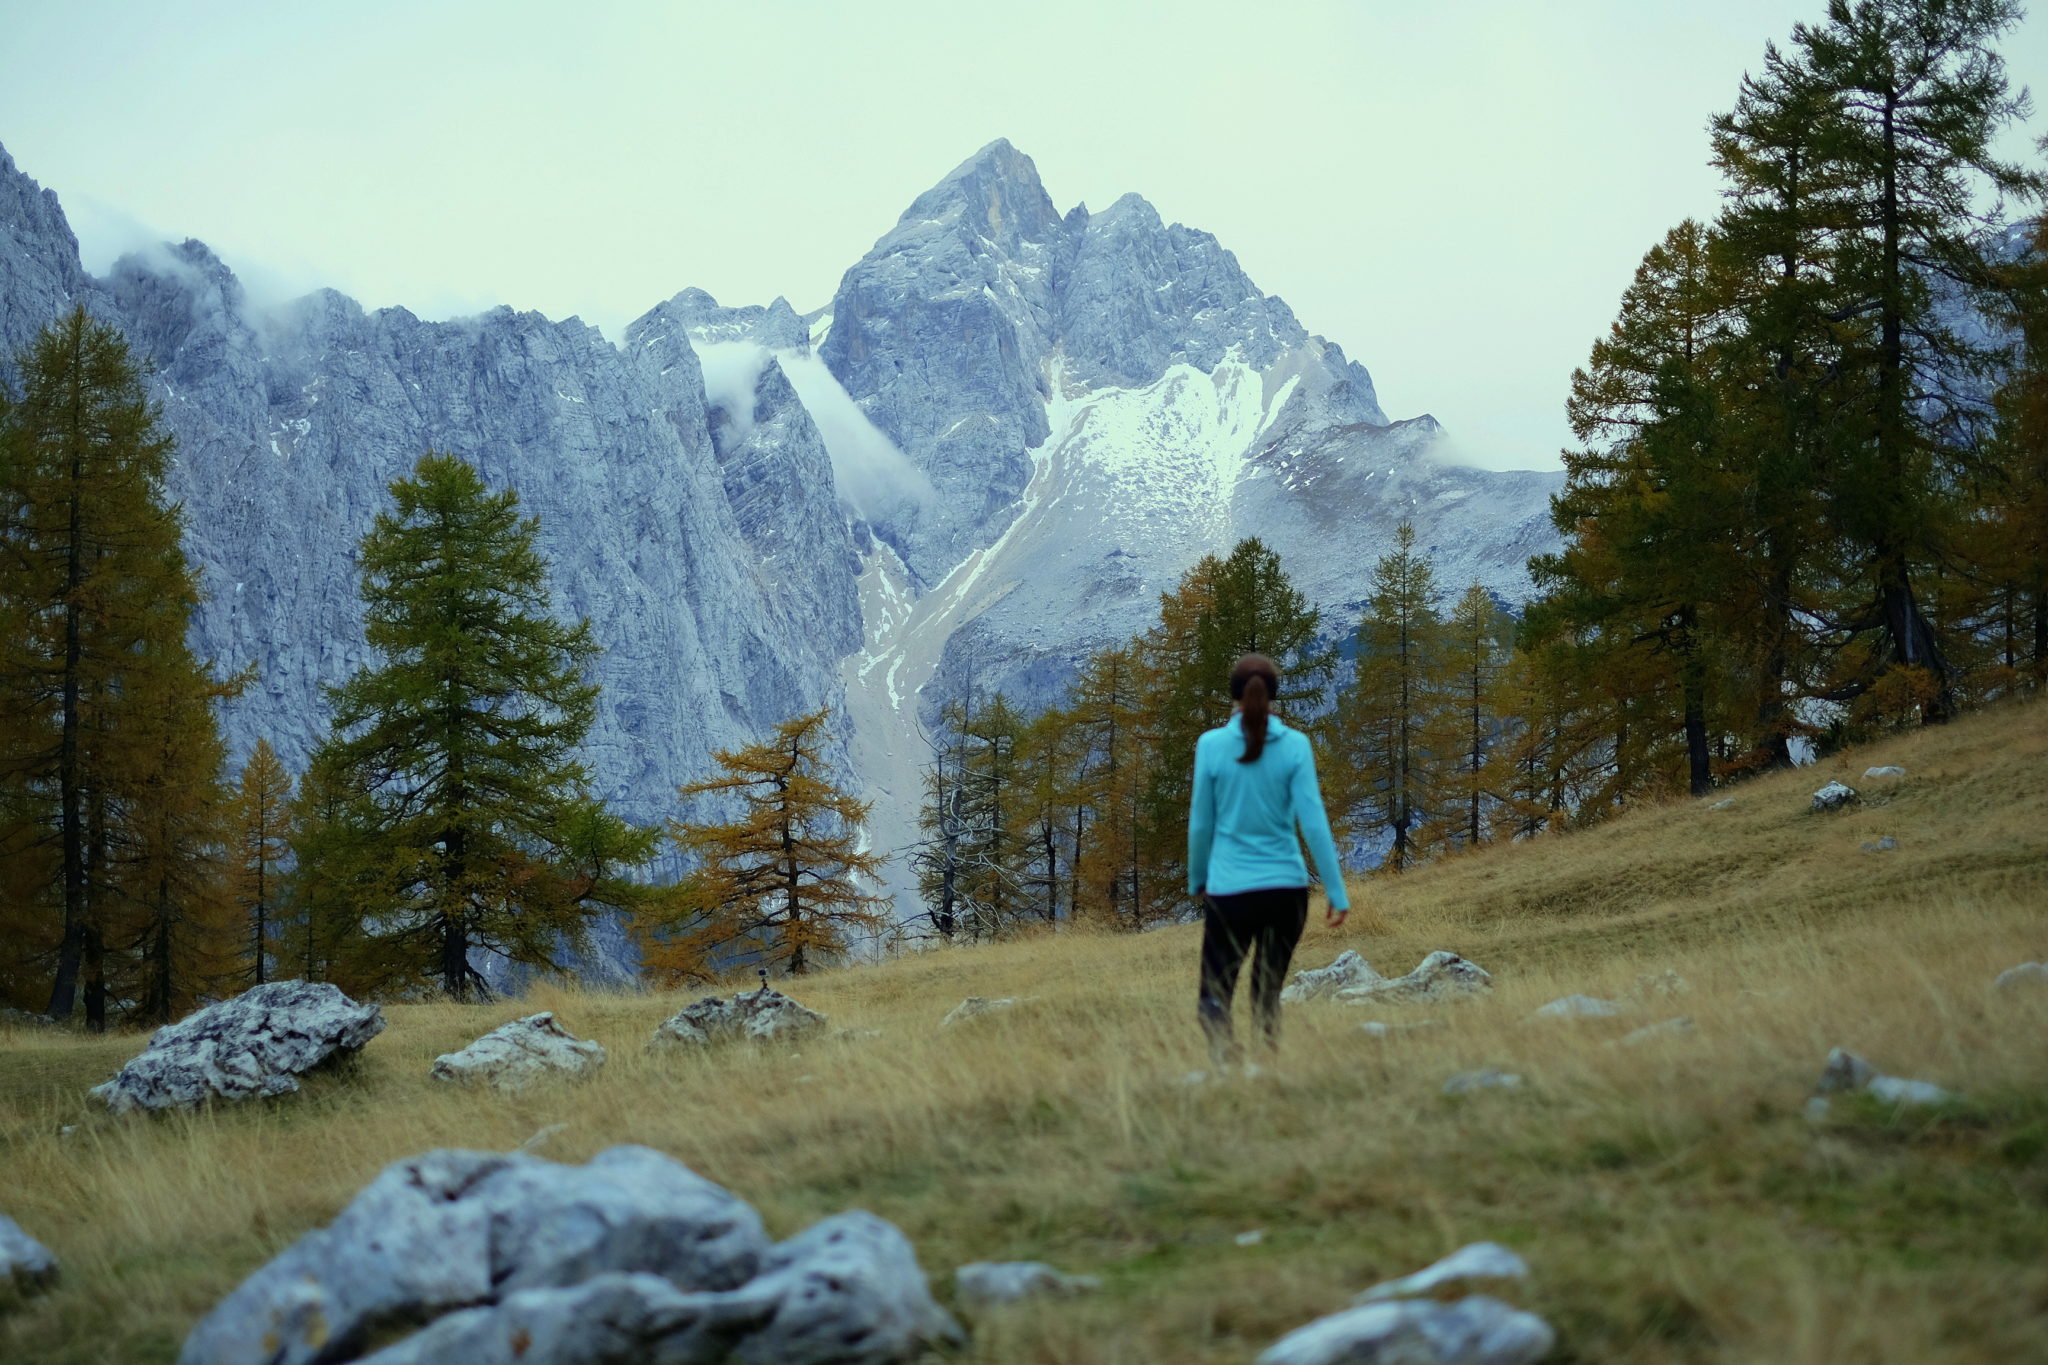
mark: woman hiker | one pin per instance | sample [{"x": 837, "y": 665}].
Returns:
[{"x": 1255, "y": 783}]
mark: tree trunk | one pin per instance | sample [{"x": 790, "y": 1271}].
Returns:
[
  {"x": 69, "y": 775},
  {"x": 455, "y": 972}
]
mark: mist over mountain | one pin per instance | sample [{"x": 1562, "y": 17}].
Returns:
[{"x": 1008, "y": 431}]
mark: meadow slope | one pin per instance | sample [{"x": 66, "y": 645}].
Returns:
[{"x": 1674, "y": 1202}]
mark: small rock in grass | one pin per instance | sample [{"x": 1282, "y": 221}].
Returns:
[
  {"x": 1479, "y": 1261},
  {"x": 1579, "y": 1007},
  {"x": 2028, "y": 976},
  {"x": 516, "y": 1054},
  {"x": 1250, "y": 1239},
  {"x": 1884, "y": 845},
  {"x": 1888, "y": 770},
  {"x": 1834, "y": 796},
  {"x": 1466, "y": 1082},
  {"x": 1472, "y": 1331},
  {"x": 11, "y": 1017},
  {"x": 981, "y": 1285},
  {"x": 25, "y": 1263},
  {"x": 1651, "y": 1033},
  {"x": 1348, "y": 970},
  {"x": 1374, "y": 1028},
  {"x": 256, "y": 1044},
  {"x": 975, "y": 1006},
  {"x": 1847, "y": 1073},
  {"x": 1723, "y": 804},
  {"x": 758, "y": 1016},
  {"x": 1440, "y": 976}
]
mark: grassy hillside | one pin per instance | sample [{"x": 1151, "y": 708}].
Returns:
[{"x": 1673, "y": 1201}]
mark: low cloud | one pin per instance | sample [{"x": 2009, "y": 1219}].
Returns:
[{"x": 873, "y": 477}]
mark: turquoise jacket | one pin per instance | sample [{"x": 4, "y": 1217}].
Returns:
[{"x": 1242, "y": 821}]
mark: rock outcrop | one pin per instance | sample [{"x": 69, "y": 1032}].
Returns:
[
  {"x": 1440, "y": 976},
  {"x": 1477, "y": 1261},
  {"x": 1847, "y": 1073},
  {"x": 1466, "y": 1082},
  {"x": 1578, "y": 1007},
  {"x": 631, "y": 1257},
  {"x": 1473, "y": 1331},
  {"x": 1662, "y": 1031},
  {"x": 759, "y": 1016},
  {"x": 2027, "y": 977},
  {"x": 1833, "y": 797},
  {"x": 847, "y": 1291},
  {"x": 976, "y": 1007},
  {"x": 258, "y": 1043},
  {"x": 26, "y": 1265},
  {"x": 1349, "y": 969},
  {"x": 514, "y": 1055},
  {"x": 981, "y": 1285}
]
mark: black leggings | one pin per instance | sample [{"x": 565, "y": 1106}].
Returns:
[{"x": 1232, "y": 926}]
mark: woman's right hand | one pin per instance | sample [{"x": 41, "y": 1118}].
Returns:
[{"x": 1335, "y": 917}]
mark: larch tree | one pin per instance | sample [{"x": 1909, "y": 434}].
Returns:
[
  {"x": 1118, "y": 755},
  {"x": 1391, "y": 719},
  {"x": 94, "y": 586},
  {"x": 1477, "y": 639},
  {"x": 779, "y": 883},
  {"x": 465, "y": 736},
  {"x": 1915, "y": 99},
  {"x": 261, "y": 846},
  {"x": 180, "y": 936},
  {"x": 1651, "y": 510}
]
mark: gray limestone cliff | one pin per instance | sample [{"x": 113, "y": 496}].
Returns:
[{"x": 718, "y": 583}]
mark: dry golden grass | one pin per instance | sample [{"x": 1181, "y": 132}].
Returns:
[{"x": 1673, "y": 1201}]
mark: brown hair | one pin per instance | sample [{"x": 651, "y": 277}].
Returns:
[{"x": 1252, "y": 684}]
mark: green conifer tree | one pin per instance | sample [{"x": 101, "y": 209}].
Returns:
[{"x": 466, "y": 735}]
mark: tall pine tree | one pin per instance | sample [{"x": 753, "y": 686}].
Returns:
[{"x": 465, "y": 739}]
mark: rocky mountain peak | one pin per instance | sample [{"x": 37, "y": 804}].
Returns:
[{"x": 995, "y": 195}]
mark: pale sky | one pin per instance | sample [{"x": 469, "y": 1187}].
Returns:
[{"x": 1456, "y": 193}]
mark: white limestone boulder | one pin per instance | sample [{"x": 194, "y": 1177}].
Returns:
[
  {"x": 1472, "y": 1331},
  {"x": 1663, "y": 1031},
  {"x": 1884, "y": 845},
  {"x": 26, "y": 1265},
  {"x": 1349, "y": 969},
  {"x": 1834, "y": 796},
  {"x": 976, "y": 1007},
  {"x": 2026, "y": 978},
  {"x": 1847, "y": 1073},
  {"x": 1578, "y": 1007},
  {"x": 1478, "y": 1261},
  {"x": 1467, "y": 1082},
  {"x": 981, "y": 1285},
  {"x": 514, "y": 1055},
  {"x": 1440, "y": 976},
  {"x": 846, "y": 1291},
  {"x": 1888, "y": 770},
  {"x": 759, "y": 1016},
  {"x": 257, "y": 1044},
  {"x": 13, "y": 1018},
  {"x": 454, "y": 1229}
]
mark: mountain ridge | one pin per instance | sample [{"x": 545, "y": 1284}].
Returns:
[{"x": 1009, "y": 430}]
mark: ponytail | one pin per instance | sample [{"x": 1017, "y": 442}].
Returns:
[{"x": 1252, "y": 685}]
